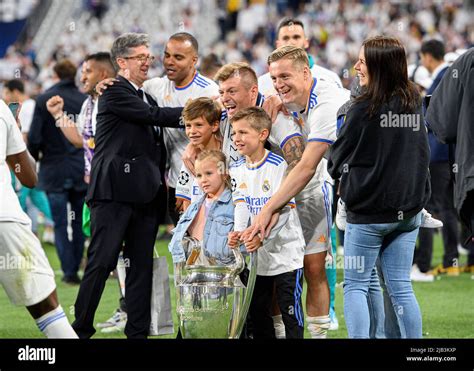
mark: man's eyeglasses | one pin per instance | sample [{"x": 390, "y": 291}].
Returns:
[{"x": 142, "y": 58}]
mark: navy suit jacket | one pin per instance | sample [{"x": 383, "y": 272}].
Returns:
[{"x": 128, "y": 150}]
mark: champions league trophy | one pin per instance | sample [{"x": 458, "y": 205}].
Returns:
[{"x": 212, "y": 301}]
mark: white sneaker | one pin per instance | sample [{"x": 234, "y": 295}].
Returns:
[
  {"x": 334, "y": 325},
  {"x": 462, "y": 250},
  {"x": 341, "y": 215},
  {"x": 115, "y": 323},
  {"x": 417, "y": 276},
  {"x": 427, "y": 220}
]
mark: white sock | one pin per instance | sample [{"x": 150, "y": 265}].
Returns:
[
  {"x": 279, "y": 327},
  {"x": 55, "y": 325},
  {"x": 318, "y": 326},
  {"x": 121, "y": 273}
]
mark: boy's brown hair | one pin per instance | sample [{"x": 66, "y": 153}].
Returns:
[
  {"x": 256, "y": 117},
  {"x": 202, "y": 107}
]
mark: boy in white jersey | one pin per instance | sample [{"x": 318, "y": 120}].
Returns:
[
  {"x": 315, "y": 104},
  {"x": 255, "y": 179},
  {"x": 290, "y": 31},
  {"x": 201, "y": 121}
]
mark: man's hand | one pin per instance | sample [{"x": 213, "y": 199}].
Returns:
[
  {"x": 189, "y": 157},
  {"x": 233, "y": 239},
  {"x": 179, "y": 205},
  {"x": 102, "y": 85},
  {"x": 253, "y": 244},
  {"x": 273, "y": 105},
  {"x": 261, "y": 224},
  {"x": 55, "y": 106}
]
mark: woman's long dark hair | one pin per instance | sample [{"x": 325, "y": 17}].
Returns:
[{"x": 388, "y": 75}]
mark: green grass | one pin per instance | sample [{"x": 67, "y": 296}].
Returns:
[{"x": 446, "y": 304}]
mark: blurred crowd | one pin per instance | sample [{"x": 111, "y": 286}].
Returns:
[{"x": 239, "y": 30}]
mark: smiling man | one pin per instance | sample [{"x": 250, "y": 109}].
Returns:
[
  {"x": 290, "y": 31},
  {"x": 314, "y": 103},
  {"x": 181, "y": 83},
  {"x": 124, "y": 187}
]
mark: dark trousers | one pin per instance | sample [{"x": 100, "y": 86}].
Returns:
[
  {"x": 69, "y": 252},
  {"x": 289, "y": 287},
  {"x": 441, "y": 205},
  {"x": 113, "y": 223},
  {"x": 174, "y": 215}
]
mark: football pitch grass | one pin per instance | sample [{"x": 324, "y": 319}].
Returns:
[{"x": 447, "y": 305}]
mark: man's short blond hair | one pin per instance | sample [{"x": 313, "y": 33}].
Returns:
[
  {"x": 256, "y": 117},
  {"x": 248, "y": 75},
  {"x": 297, "y": 55}
]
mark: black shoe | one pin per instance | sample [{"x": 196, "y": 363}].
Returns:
[{"x": 71, "y": 280}]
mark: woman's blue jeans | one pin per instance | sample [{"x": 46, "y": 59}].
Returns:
[{"x": 394, "y": 245}]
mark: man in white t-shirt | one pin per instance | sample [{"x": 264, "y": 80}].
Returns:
[
  {"x": 314, "y": 102},
  {"x": 291, "y": 32},
  {"x": 25, "y": 273}
]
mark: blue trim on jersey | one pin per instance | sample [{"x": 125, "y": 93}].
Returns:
[
  {"x": 200, "y": 84},
  {"x": 182, "y": 196},
  {"x": 237, "y": 163},
  {"x": 260, "y": 100},
  {"x": 186, "y": 86},
  {"x": 201, "y": 80},
  {"x": 313, "y": 98},
  {"x": 321, "y": 140},
  {"x": 240, "y": 200},
  {"x": 223, "y": 115},
  {"x": 275, "y": 157},
  {"x": 273, "y": 162},
  {"x": 297, "y": 295},
  {"x": 288, "y": 138},
  {"x": 327, "y": 206},
  {"x": 263, "y": 163}
]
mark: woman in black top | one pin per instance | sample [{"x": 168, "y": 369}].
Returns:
[{"x": 382, "y": 158}]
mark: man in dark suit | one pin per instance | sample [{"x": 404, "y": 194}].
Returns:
[
  {"x": 123, "y": 193},
  {"x": 61, "y": 173}
]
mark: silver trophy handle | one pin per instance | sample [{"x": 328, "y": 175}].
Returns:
[{"x": 248, "y": 292}]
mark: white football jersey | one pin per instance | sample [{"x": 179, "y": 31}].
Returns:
[
  {"x": 255, "y": 184},
  {"x": 318, "y": 121},
  {"x": 186, "y": 185},
  {"x": 167, "y": 94},
  {"x": 265, "y": 83}
]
